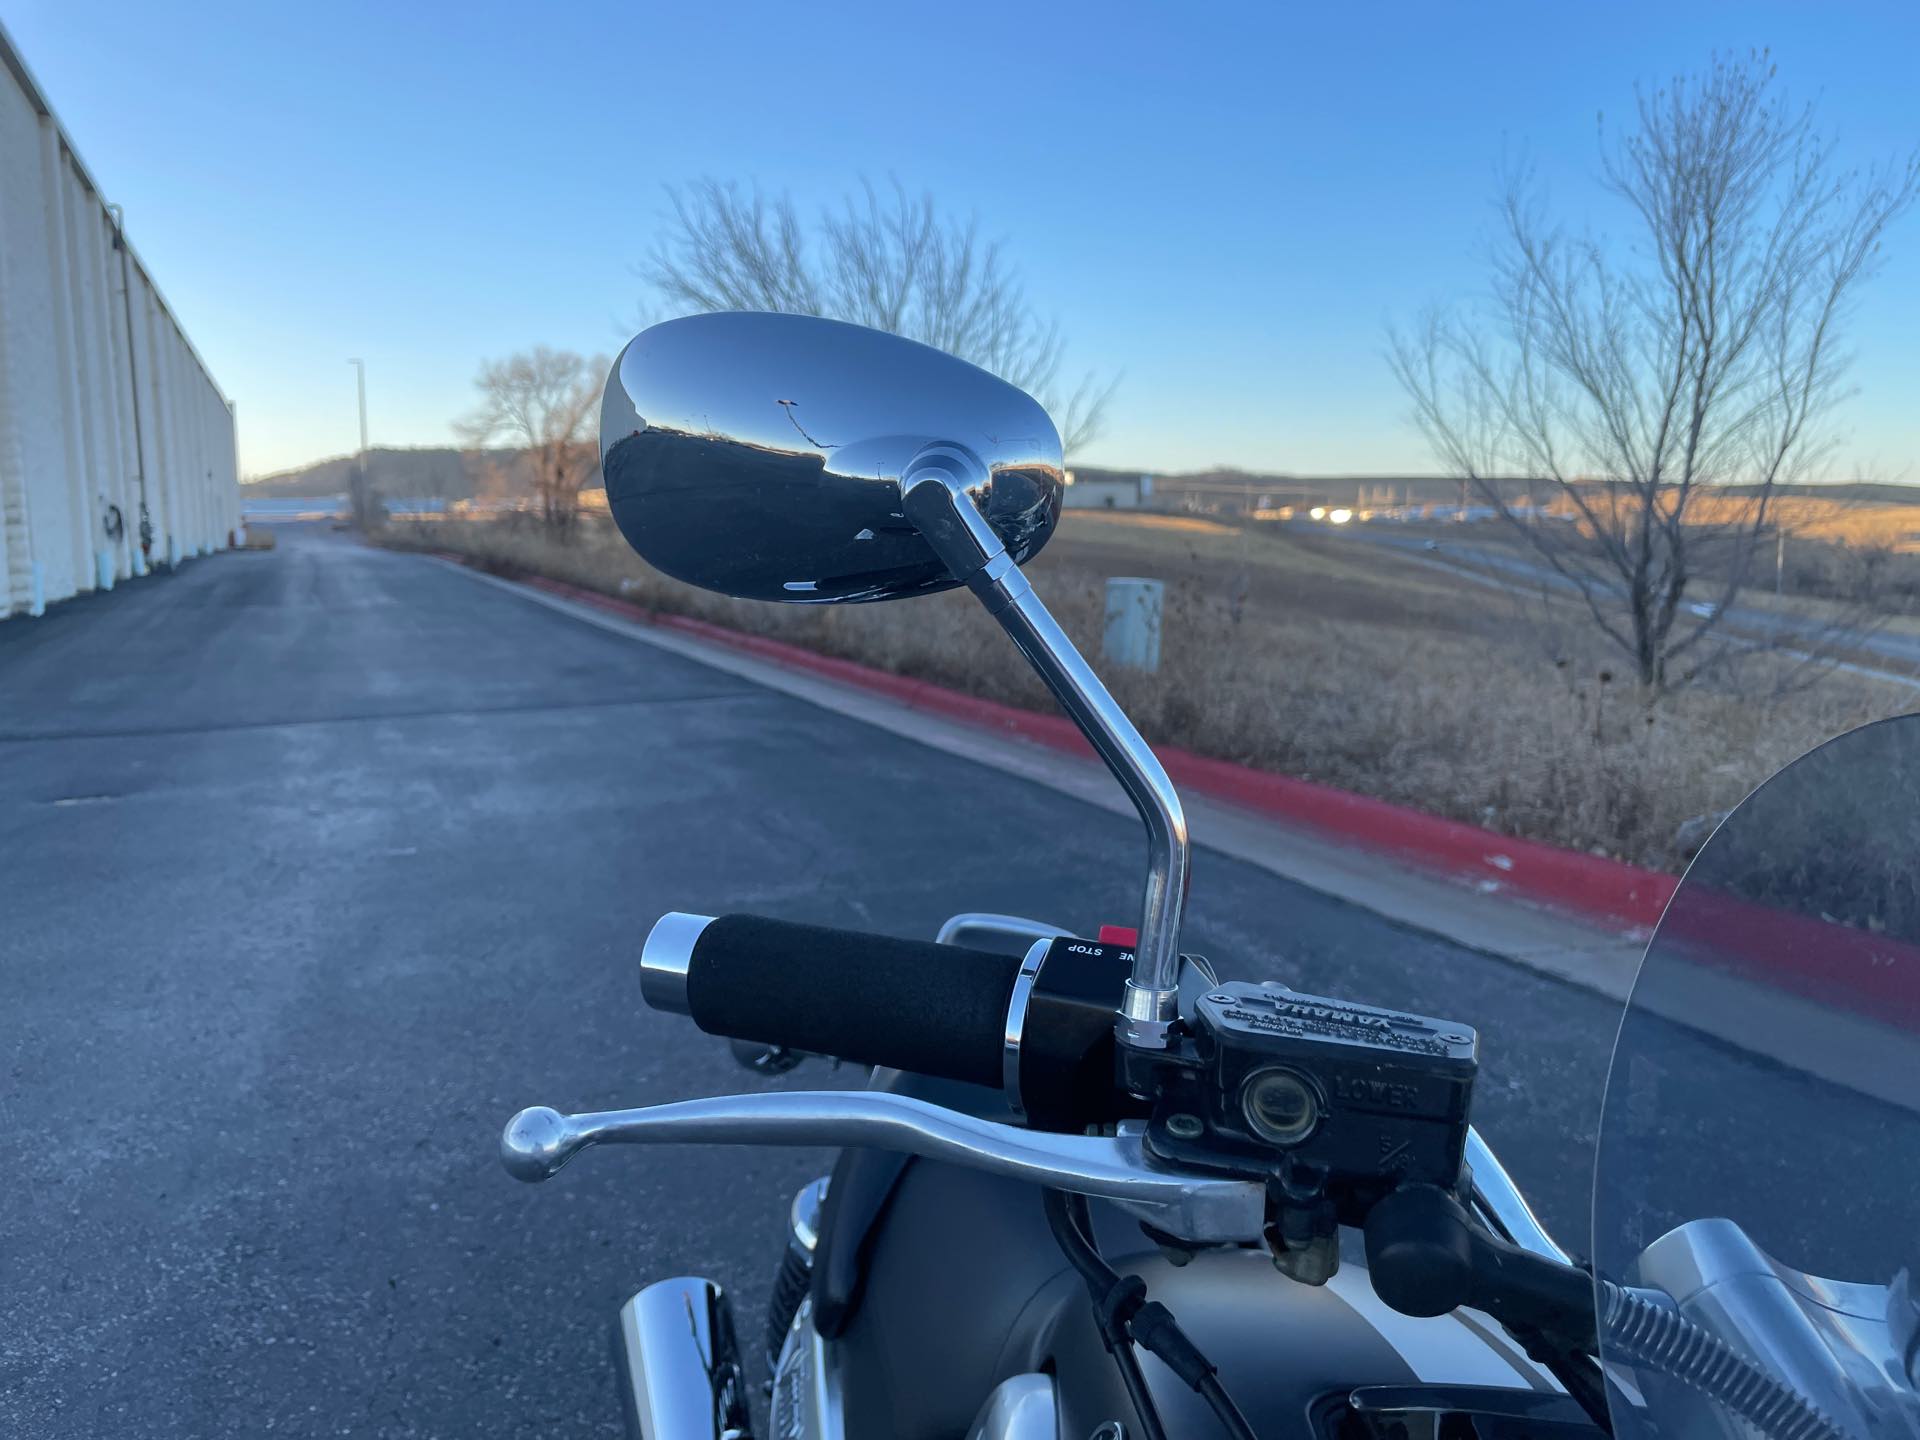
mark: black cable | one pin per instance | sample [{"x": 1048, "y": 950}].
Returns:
[
  {"x": 1230, "y": 1416},
  {"x": 1126, "y": 1317},
  {"x": 1100, "y": 1279},
  {"x": 1581, "y": 1377},
  {"x": 1579, "y": 1374}
]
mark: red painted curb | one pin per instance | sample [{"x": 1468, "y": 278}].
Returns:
[
  {"x": 1591, "y": 886},
  {"x": 1826, "y": 963}
]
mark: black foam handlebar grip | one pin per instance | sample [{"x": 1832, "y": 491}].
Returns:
[{"x": 933, "y": 1009}]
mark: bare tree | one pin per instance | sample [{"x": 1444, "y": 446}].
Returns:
[
  {"x": 1664, "y": 389},
  {"x": 542, "y": 401},
  {"x": 891, "y": 263}
]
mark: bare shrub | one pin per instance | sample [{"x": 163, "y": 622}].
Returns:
[
  {"x": 545, "y": 402},
  {"x": 892, "y": 263},
  {"x": 1664, "y": 389}
]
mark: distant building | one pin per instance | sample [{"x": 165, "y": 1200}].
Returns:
[
  {"x": 413, "y": 507},
  {"x": 1104, "y": 490},
  {"x": 116, "y": 446},
  {"x": 267, "y": 509}
]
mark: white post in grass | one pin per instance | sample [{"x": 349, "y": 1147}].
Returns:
[{"x": 1132, "y": 635}]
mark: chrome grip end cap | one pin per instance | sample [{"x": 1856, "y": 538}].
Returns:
[
  {"x": 537, "y": 1142},
  {"x": 666, "y": 958}
]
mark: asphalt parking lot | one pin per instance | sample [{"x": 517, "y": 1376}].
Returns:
[{"x": 316, "y": 864}]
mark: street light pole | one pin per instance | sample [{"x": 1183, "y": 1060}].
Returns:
[
  {"x": 361, "y": 367},
  {"x": 360, "y": 505}
]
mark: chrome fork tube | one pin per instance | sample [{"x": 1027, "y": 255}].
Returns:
[
  {"x": 1500, "y": 1202},
  {"x": 937, "y": 497}
]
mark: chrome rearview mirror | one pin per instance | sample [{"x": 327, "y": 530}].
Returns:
[
  {"x": 762, "y": 456},
  {"x": 790, "y": 458}
]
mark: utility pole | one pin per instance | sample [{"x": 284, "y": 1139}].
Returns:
[
  {"x": 1779, "y": 558},
  {"x": 360, "y": 497}
]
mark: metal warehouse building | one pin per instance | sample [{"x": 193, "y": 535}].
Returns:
[{"x": 116, "y": 447}]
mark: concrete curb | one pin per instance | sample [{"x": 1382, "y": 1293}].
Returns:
[{"x": 1593, "y": 888}]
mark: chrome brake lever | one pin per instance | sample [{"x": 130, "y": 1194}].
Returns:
[{"x": 1189, "y": 1206}]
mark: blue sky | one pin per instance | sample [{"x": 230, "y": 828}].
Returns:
[{"x": 1226, "y": 204}]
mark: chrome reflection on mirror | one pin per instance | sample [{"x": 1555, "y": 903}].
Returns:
[
  {"x": 762, "y": 456},
  {"x": 790, "y": 458}
]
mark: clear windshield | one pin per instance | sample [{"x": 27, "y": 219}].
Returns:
[{"x": 1768, "y": 1073}]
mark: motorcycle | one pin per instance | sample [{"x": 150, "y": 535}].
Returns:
[{"x": 1094, "y": 1189}]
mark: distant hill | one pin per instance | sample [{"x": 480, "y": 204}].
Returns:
[
  {"x": 444, "y": 473},
  {"x": 440, "y": 473},
  {"x": 1228, "y": 488}
]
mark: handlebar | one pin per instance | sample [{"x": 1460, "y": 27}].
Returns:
[
  {"x": 1037, "y": 1027},
  {"x": 940, "y": 1010}
]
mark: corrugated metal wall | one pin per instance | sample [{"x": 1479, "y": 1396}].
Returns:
[{"x": 104, "y": 406}]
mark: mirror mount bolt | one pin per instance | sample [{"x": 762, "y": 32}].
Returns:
[{"x": 938, "y": 493}]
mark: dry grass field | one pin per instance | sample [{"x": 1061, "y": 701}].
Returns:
[
  {"x": 1886, "y": 526},
  {"x": 1336, "y": 663}
]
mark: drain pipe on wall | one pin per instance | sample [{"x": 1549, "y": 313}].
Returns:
[{"x": 143, "y": 539}]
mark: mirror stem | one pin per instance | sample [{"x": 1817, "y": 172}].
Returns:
[{"x": 936, "y": 492}]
